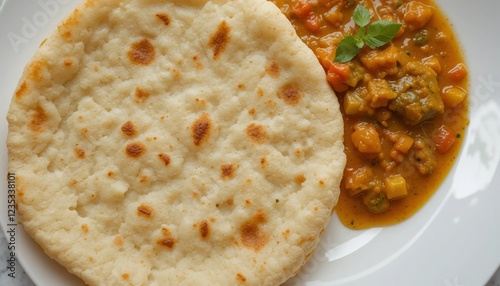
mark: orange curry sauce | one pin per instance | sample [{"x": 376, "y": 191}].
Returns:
[{"x": 421, "y": 151}]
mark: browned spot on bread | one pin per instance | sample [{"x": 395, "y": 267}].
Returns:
[
  {"x": 111, "y": 174},
  {"x": 21, "y": 90},
  {"x": 219, "y": 39},
  {"x": 35, "y": 70},
  {"x": 321, "y": 182},
  {"x": 79, "y": 153},
  {"x": 68, "y": 62},
  {"x": 140, "y": 95},
  {"x": 143, "y": 178},
  {"x": 66, "y": 26},
  {"x": 73, "y": 182},
  {"x": 166, "y": 242},
  {"x": 128, "y": 128},
  {"x": 164, "y": 17},
  {"x": 240, "y": 277},
  {"x": 227, "y": 171},
  {"x": 256, "y": 133},
  {"x": 135, "y": 149},
  {"x": 251, "y": 111},
  {"x": 84, "y": 131},
  {"x": 142, "y": 52},
  {"x": 165, "y": 231},
  {"x": 273, "y": 70},
  {"x": 201, "y": 101},
  {"x": 240, "y": 85},
  {"x": 251, "y": 234},
  {"x": 125, "y": 276},
  {"x": 145, "y": 210},
  {"x": 299, "y": 179},
  {"x": 85, "y": 228},
  {"x": 200, "y": 130},
  {"x": 165, "y": 158},
  {"x": 290, "y": 94},
  {"x": 263, "y": 162},
  {"x": 204, "y": 229},
  {"x": 38, "y": 119},
  {"x": 198, "y": 64},
  {"x": 118, "y": 240},
  {"x": 260, "y": 92},
  {"x": 96, "y": 68}
]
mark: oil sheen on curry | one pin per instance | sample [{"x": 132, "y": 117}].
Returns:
[{"x": 404, "y": 103}]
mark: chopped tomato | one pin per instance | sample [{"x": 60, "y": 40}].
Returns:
[
  {"x": 444, "y": 139},
  {"x": 458, "y": 73}
]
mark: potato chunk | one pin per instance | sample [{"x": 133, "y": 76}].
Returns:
[
  {"x": 395, "y": 187},
  {"x": 366, "y": 138}
]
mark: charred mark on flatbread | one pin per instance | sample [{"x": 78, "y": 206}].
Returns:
[
  {"x": 240, "y": 277},
  {"x": 273, "y": 70},
  {"x": 128, "y": 128},
  {"x": 204, "y": 229},
  {"x": 166, "y": 242},
  {"x": 256, "y": 133},
  {"x": 142, "y": 52},
  {"x": 22, "y": 89},
  {"x": 145, "y": 210},
  {"x": 135, "y": 149},
  {"x": 227, "y": 171},
  {"x": 140, "y": 95},
  {"x": 79, "y": 152},
  {"x": 164, "y": 17},
  {"x": 299, "y": 179},
  {"x": 290, "y": 94},
  {"x": 38, "y": 119},
  {"x": 165, "y": 158},
  {"x": 220, "y": 39},
  {"x": 201, "y": 129},
  {"x": 251, "y": 233}
]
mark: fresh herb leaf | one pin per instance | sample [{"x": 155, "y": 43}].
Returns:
[
  {"x": 378, "y": 34},
  {"x": 361, "y": 16},
  {"x": 359, "y": 42},
  {"x": 346, "y": 50}
]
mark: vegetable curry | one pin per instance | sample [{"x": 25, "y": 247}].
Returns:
[{"x": 404, "y": 102}]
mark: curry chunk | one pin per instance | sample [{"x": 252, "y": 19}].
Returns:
[
  {"x": 404, "y": 85},
  {"x": 358, "y": 180},
  {"x": 419, "y": 96},
  {"x": 416, "y": 14},
  {"x": 423, "y": 157},
  {"x": 366, "y": 138}
]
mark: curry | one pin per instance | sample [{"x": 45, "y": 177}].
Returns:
[{"x": 404, "y": 103}]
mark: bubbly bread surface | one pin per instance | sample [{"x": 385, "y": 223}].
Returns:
[{"x": 176, "y": 142}]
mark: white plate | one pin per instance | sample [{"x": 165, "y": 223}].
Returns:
[{"x": 454, "y": 240}]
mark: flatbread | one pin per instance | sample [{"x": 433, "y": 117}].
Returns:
[{"x": 176, "y": 143}]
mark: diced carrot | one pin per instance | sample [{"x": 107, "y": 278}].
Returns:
[
  {"x": 458, "y": 72},
  {"x": 337, "y": 76},
  {"x": 302, "y": 8},
  {"x": 342, "y": 70},
  {"x": 444, "y": 139},
  {"x": 313, "y": 22}
]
